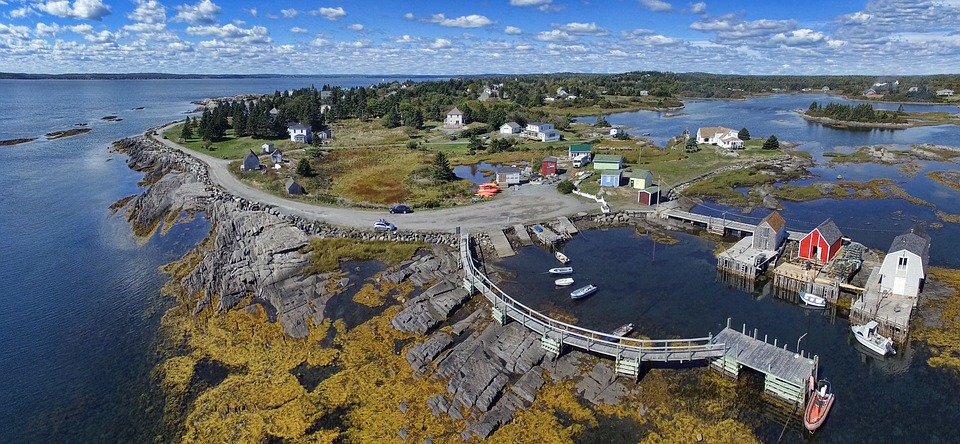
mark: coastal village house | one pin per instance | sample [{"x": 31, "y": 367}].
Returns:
[
  {"x": 718, "y": 135},
  {"x": 510, "y": 128},
  {"x": 300, "y": 132},
  {"x": 454, "y": 118},
  {"x": 508, "y": 175},
  {"x": 266, "y": 148},
  {"x": 751, "y": 255},
  {"x": 250, "y": 162},
  {"x": 770, "y": 232},
  {"x": 822, "y": 243},
  {"x": 577, "y": 150},
  {"x": 904, "y": 267},
  {"x": 640, "y": 179},
  {"x": 607, "y": 162},
  {"x": 616, "y": 132},
  {"x": 544, "y": 132},
  {"x": 294, "y": 188},
  {"x": 610, "y": 178},
  {"x": 549, "y": 166},
  {"x": 944, "y": 92},
  {"x": 325, "y": 135},
  {"x": 276, "y": 156}
]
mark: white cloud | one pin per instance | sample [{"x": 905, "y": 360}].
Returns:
[
  {"x": 204, "y": 12},
  {"x": 409, "y": 16},
  {"x": 656, "y": 5},
  {"x": 858, "y": 17},
  {"x": 555, "y": 36},
  {"x": 529, "y": 2},
  {"x": 289, "y": 13},
  {"x": 734, "y": 29},
  {"x": 406, "y": 38},
  {"x": 80, "y": 9},
  {"x": 148, "y": 11},
  {"x": 355, "y": 27},
  {"x": 698, "y": 8},
  {"x": 22, "y": 12},
  {"x": 332, "y": 14},
  {"x": 582, "y": 29},
  {"x": 441, "y": 43},
  {"x": 799, "y": 37},
  {"x": 298, "y": 30},
  {"x": 254, "y": 35},
  {"x": 252, "y": 11},
  {"x": 45, "y": 30},
  {"x": 16, "y": 31},
  {"x": 512, "y": 30},
  {"x": 465, "y": 21},
  {"x": 319, "y": 42}
]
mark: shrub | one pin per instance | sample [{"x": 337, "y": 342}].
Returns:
[{"x": 565, "y": 187}]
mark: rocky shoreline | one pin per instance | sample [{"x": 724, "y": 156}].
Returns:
[{"x": 834, "y": 123}]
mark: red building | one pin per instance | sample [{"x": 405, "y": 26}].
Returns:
[
  {"x": 549, "y": 166},
  {"x": 822, "y": 243},
  {"x": 649, "y": 195}
]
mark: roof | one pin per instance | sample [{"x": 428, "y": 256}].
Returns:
[
  {"x": 712, "y": 130},
  {"x": 918, "y": 244},
  {"x": 535, "y": 123},
  {"x": 580, "y": 148},
  {"x": 607, "y": 158},
  {"x": 298, "y": 126},
  {"x": 610, "y": 172},
  {"x": 775, "y": 220},
  {"x": 652, "y": 189},
  {"x": 511, "y": 125},
  {"x": 508, "y": 170},
  {"x": 640, "y": 174},
  {"x": 550, "y": 159},
  {"x": 829, "y": 230},
  {"x": 251, "y": 154},
  {"x": 455, "y": 110}
]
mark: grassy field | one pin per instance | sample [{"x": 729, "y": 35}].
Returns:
[
  {"x": 231, "y": 147},
  {"x": 327, "y": 253}
]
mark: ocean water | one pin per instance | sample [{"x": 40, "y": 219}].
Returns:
[{"x": 81, "y": 295}]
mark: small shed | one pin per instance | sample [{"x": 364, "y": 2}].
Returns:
[
  {"x": 266, "y": 148},
  {"x": 607, "y": 162},
  {"x": 510, "y": 128},
  {"x": 610, "y": 178},
  {"x": 770, "y": 232},
  {"x": 578, "y": 149},
  {"x": 294, "y": 188},
  {"x": 548, "y": 166},
  {"x": 616, "y": 132},
  {"x": 904, "y": 267},
  {"x": 640, "y": 178},
  {"x": 276, "y": 156},
  {"x": 822, "y": 243},
  {"x": 649, "y": 195},
  {"x": 508, "y": 175},
  {"x": 250, "y": 162}
]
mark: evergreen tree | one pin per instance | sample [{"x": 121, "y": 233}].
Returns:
[
  {"x": 691, "y": 146},
  {"x": 601, "y": 122},
  {"x": 772, "y": 143},
  {"x": 304, "y": 169},
  {"x": 187, "y": 131},
  {"x": 743, "y": 134},
  {"x": 441, "y": 168}
]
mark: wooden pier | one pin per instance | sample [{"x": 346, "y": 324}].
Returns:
[
  {"x": 785, "y": 372},
  {"x": 547, "y": 236},
  {"x": 719, "y": 225},
  {"x": 566, "y": 226},
  {"x": 522, "y": 233},
  {"x": 500, "y": 243}
]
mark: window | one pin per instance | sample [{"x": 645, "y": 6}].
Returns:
[{"x": 901, "y": 264}]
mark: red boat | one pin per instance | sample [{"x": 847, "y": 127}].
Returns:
[{"x": 820, "y": 402}]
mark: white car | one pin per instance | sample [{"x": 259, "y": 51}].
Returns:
[{"x": 383, "y": 225}]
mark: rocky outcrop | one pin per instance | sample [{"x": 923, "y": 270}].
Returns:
[{"x": 424, "y": 312}]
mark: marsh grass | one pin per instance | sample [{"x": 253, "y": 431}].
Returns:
[{"x": 327, "y": 253}]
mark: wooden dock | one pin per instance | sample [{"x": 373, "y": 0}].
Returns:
[
  {"x": 547, "y": 236},
  {"x": 566, "y": 226},
  {"x": 500, "y": 243},
  {"x": 720, "y": 225},
  {"x": 522, "y": 233}
]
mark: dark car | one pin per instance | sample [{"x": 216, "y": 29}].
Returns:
[{"x": 402, "y": 209}]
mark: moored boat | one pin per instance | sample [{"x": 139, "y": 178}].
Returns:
[
  {"x": 538, "y": 228},
  {"x": 561, "y": 257},
  {"x": 813, "y": 301},
  {"x": 868, "y": 336},
  {"x": 820, "y": 402},
  {"x": 623, "y": 330},
  {"x": 563, "y": 282},
  {"x": 561, "y": 270},
  {"x": 583, "y": 292}
]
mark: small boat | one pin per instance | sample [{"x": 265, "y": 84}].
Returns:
[
  {"x": 819, "y": 405},
  {"x": 563, "y": 282},
  {"x": 605, "y": 209},
  {"x": 867, "y": 335},
  {"x": 812, "y": 300},
  {"x": 561, "y": 270},
  {"x": 561, "y": 257},
  {"x": 583, "y": 292},
  {"x": 623, "y": 330},
  {"x": 538, "y": 228}
]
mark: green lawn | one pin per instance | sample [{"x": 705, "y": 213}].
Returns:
[{"x": 231, "y": 147}]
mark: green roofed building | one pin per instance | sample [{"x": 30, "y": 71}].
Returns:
[
  {"x": 607, "y": 162},
  {"x": 579, "y": 150}
]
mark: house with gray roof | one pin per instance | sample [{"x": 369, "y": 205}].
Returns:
[
  {"x": 822, "y": 243},
  {"x": 294, "y": 188},
  {"x": 250, "y": 162},
  {"x": 904, "y": 268}
]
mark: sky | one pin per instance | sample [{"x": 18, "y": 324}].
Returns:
[{"x": 463, "y": 37}]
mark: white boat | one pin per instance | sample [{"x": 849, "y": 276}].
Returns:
[
  {"x": 563, "y": 282},
  {"x": 561, "y": 257},
  {"x": 561, "y": 270},
  {"x": 623, "y": 330},
  {"x": 813, "y": 301},
  {"x": 867, "y": 335},
  {"x": 583, "y": 292}
]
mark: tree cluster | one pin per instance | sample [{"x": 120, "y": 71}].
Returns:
[{"x": 863, "y": 112}]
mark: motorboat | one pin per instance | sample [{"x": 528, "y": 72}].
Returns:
[
  {"x": 813, "y": 301},
  {"x": 561, "y": 270},
  {"x": 583, "y": 292},
  {"x": 868, "y": 336},
  {"x": 561, "y": 257},
  {"x": 538, "y": 228},
  {"x": 563, "y": 282},
  {"x": 819, "y": 405},
  {"x": 619, "y": 333}
]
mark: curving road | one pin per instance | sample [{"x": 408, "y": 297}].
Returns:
[{"x": 528, "y": 204}]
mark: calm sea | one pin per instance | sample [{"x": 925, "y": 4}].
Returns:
[{"x": 82, "y": 301}]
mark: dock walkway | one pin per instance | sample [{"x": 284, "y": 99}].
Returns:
[
  {"x": 566, "y": 226},
  {"x": 720, "y": 225},
  {"x": 522, "y": 233},
  {"x": 500, "y": 243}
]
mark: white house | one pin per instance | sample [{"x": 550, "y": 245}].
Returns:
[
  {"x": 508, "y": 175},
  {"x": 718, "y": 135},
  {"x": 300, "y": 132},
  {"x": 550, "y": 135},
  {"x": 616, "y": 132},
  {"x": 538, "y": 127},
  {"x": 454, "y": 118},
  {"x": 266, "y": 148},
  {"x": 510, "y": 128},
  {"x": 904, "y": 267},
  {"x": 944, "y": 92}
]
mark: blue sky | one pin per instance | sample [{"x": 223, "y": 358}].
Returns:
[{"x": 476, "y": 37}]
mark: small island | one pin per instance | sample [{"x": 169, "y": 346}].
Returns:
[
  {"x": 68, "y": 133},
  {"x": 10, "y": 142},
  {"x": 837, "y": 115}
]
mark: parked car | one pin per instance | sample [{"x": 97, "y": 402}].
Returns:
[
  {"x": 383, "y": 225},
  {"x": 400, "y": 209},
  {"x": 453, "y": 137}
]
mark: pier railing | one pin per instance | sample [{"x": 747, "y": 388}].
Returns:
[{"x": 579, "y": 337}]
